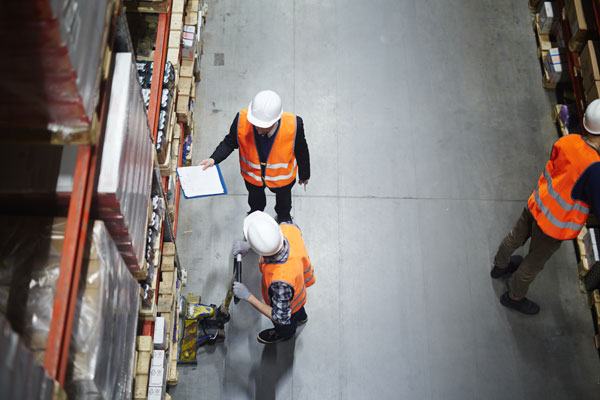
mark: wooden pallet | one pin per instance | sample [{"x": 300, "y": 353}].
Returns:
[
  {"x": 144, "y": 346},
  {"x": 582, "y": 265},
  {"x": 154, "y": 7}
]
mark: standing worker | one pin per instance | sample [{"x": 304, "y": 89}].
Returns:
[
  {"x": 272, "y": 148},
  {"x": 286, "y": 273},
  {"x": 557, "y": 210}
]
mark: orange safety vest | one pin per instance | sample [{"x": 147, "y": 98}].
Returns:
[
  {"x": 551, "y": 204},
  {"x": 281, "y": 163},
  {"x": 297, "y": 270}
]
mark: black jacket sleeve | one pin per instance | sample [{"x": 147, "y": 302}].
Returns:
[
  {"x": 592, "y": 187},
  {"x": 228, "y": 144},
  {"x": 301, "y": 151}
]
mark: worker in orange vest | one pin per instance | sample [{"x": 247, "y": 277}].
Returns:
[
  {"x": 567, "y": 190},
  {"x": 286, "y": 274},
  {"x": 272, "y": 149}
]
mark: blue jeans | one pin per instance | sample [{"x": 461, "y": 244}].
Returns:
[{"x": 287, "y": 331}]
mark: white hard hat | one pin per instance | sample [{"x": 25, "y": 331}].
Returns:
[
  {"x": 591, "y": 118},
  {"x": 263, "y": 233},
  {"x": 265, "y": 109}
]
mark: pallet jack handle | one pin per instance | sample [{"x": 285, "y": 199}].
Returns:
[{"x": 237, "y": 268}]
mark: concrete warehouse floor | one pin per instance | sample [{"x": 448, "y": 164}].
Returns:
[{"x": 428, "y": 128}]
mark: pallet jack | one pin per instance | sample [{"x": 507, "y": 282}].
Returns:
[{"x": 205, "y": 324}]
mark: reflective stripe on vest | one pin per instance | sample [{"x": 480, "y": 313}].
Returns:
[
  {"x": 281, "y": 166},
  {"x": 296, "y": 271},
  {"x": 551, "y": 204}
]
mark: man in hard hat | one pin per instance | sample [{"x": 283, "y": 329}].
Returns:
[
  {"x": 567, "y": 190},
  {"x": 272, "y": 148},
  {"x": 286, "y": 274}
]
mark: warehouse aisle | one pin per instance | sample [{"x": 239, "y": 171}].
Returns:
[{"x": 428, "y": 128}]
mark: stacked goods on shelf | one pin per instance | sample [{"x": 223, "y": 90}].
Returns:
[
  {"x": 168, "y": 301},
  {"x": 580, "y": 16},
  {"x": 104, "y": 324},
  {"x": 546, "y": 20},
  {"x": 594, "y": 303},
  {"x": 145, "y": 70},
  {"x": 589, "y": 257},
  {"x": 60, "y": 48},
  {"x": 148, "y": 309},
  {"x": 556, "y": 68},
  {"x": 31, "y": 250},
  {"x": 590, "y": 72},
  {"x": 142, "y": 367},
  {"x": 175, "y": 32},
  {"x": 567, "y": 119},
  {"x": 103, "y": 345},
  {"x": 148, "y": 6},
  {"x": 124, "y": 182},
  {"x": 22, "y": 376}
]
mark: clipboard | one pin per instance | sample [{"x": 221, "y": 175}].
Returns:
[{"x": 196, "y": 182}]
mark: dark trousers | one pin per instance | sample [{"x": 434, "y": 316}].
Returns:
[
  {"x": 541, "y": 249},
  {"x": 283, "y": 198},
  {"x": 288, "y": 331}
]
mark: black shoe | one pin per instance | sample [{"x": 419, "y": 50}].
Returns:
[
  {"x": 305, "y": 320},
  {"x": 513, "y": 264},
  {"x": 524, "y": 305},
  {"x": 283, "y": 218},
  {"x": 269, "y": 336}
]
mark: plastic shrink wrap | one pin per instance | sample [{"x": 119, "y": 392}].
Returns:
[
  {"x": 55, "y": 48},
  {"x": 124, "y": 182},
  {"x": 104, "y": 331},
  {"x": 21, "y": 376},
  {"x": 104, "y": 328}
]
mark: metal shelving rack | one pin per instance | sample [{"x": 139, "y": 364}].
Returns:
[
  {"x": 574, "y": 68},
  {"x": 80, "y": 204}
]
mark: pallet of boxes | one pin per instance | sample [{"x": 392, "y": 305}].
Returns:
[
  {"x": 156, "y": 357},
  {"x": 191, "y": 49},
  {"x": 168, "y": 301}
]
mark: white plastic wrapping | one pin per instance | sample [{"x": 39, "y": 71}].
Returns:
[
  {"x": 57, "y": 47},
  {"x": 103, "y": 343},
  {"x": 21, "y": 376},
  {"x": 105, "y": 321},
  {"x": 124, "y": 182}
]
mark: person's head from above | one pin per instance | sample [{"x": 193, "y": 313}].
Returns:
[
  {"x": 263, "y": 233},
  {"x": 591, "y": 118},
  {"x": 264, "y": 111}
]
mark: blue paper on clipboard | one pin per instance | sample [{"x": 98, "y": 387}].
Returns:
[{"x": 196, "y": 182}]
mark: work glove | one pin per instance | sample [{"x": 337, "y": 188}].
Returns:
[
  {"x": 241, "y": 247},
  {"x": 241, "y": 291}
]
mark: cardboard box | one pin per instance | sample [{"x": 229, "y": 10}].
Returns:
[
  {"x": 140, "y": 387},
  {"x": 588, "y": 60},
  {"x": 580, "y": 16},
  {"x": 185, "y": 86},
  {"x": 174, "y": 39},
  {"x": 167, "y": 264},
  {"x": 155, "y": 393},
  {"x": 159, "y": 333},
  {"x": 143, "y": 363},
  {"x": 546, "y": 19},
  {"x": 188, "y": 42},
  {"x": 157, "y": 369},
  {"x": 187, "y": 68},
  {"x": 144, "y": 343},
  {"x": 169, "y": 247},
  {"x": 176, "y": 22},
  {"x": 555, "y": 66},
  {"x": 178, "y": 6}
]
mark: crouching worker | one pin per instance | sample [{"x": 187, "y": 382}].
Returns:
[{"x": 286, "y": 273}]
